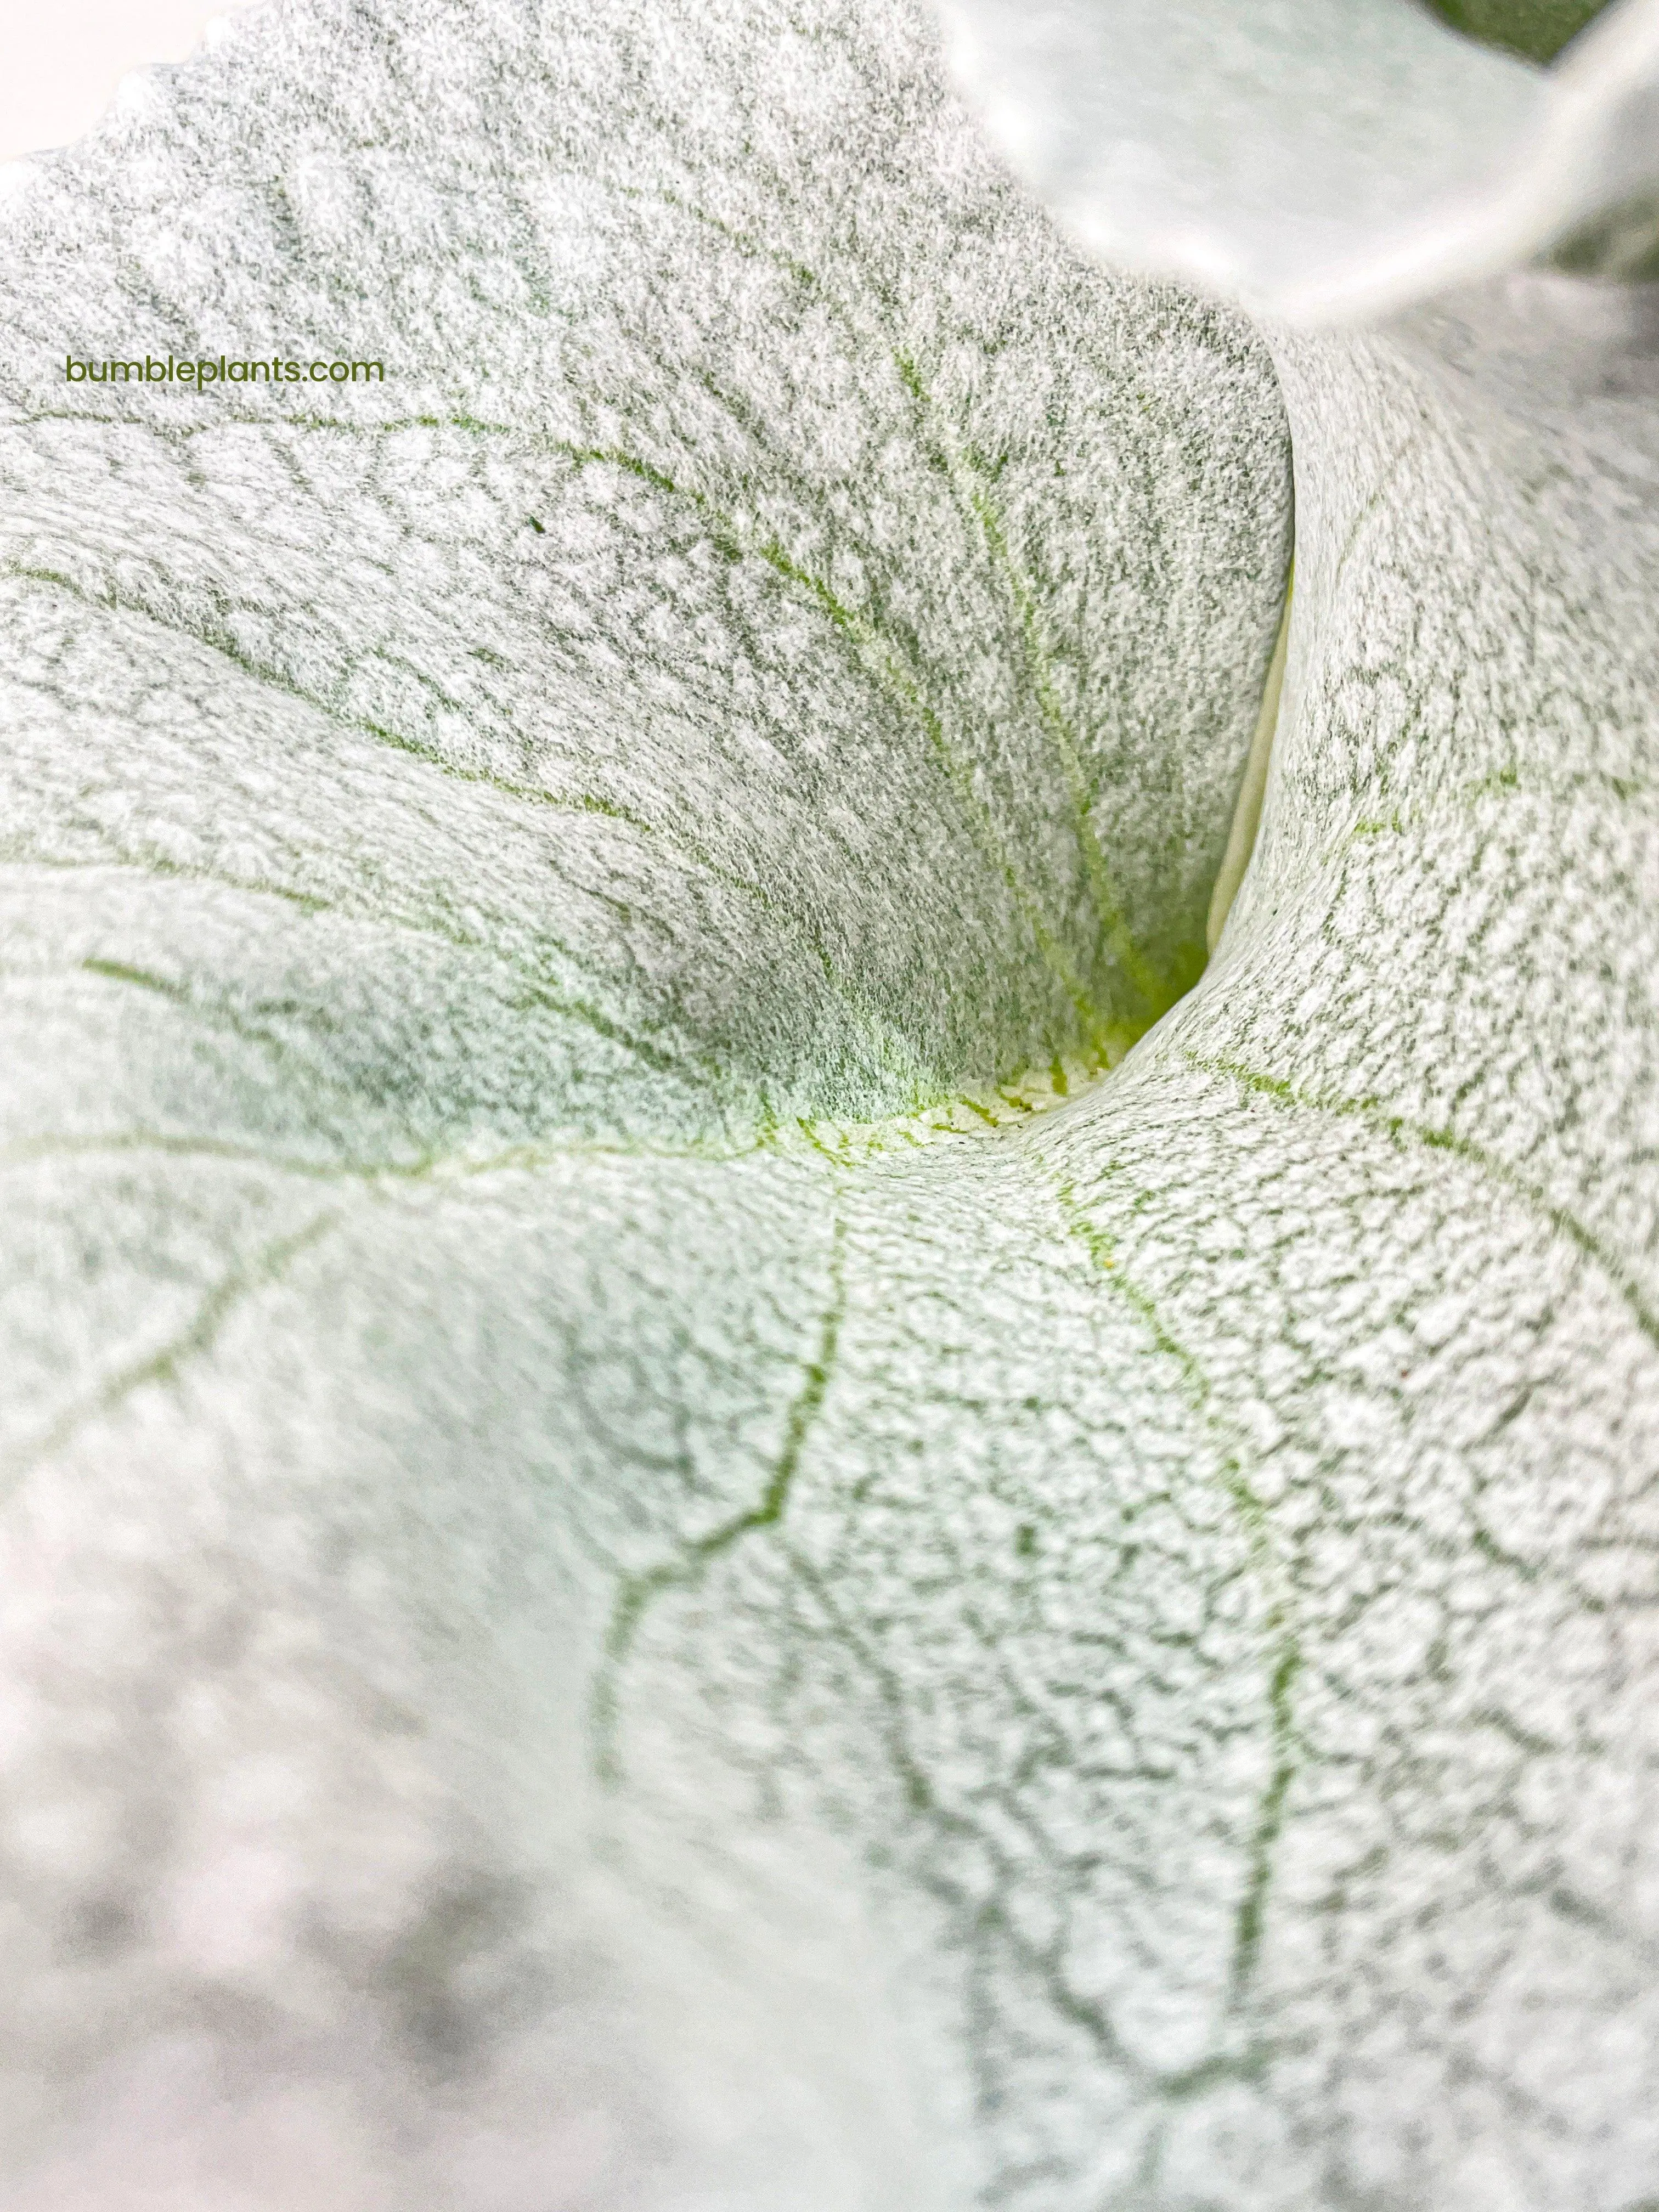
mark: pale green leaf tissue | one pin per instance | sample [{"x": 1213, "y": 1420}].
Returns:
[{"x": 719, "y": 1493}]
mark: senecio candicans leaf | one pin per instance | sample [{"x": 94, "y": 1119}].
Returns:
[
  {"x": 674, "y": 1540},
  {"x": 1317, "y": 158}
]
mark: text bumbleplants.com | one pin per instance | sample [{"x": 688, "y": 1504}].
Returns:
[{"x": 196, "y": 375}]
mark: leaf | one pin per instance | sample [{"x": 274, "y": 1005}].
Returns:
[
  {"x": 764, "y": 680},
  {"x": 698, "y": 519},
  {"x": 1537, "y": 28},
  {"x": 1320, "y": 160},
  {"x": 661, "y": 1554}
]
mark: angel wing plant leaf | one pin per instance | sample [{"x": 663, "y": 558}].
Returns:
[
  {"x": 671, "y": 1540},
  {"x": 1319, "y": 159}
]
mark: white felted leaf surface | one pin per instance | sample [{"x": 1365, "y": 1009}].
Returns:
[
  {"x": 657, "y": 1554},
  {"x": 781, "y": 646},
  {"x": 1315, "y": 158}
]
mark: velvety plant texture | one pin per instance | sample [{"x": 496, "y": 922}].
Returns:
[{"x": 829, "y": 1268}]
